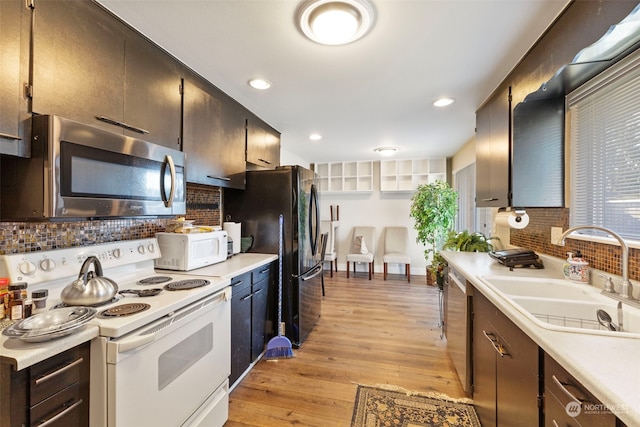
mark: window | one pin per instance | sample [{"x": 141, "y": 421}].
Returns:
[
  {"x": 604, "y": 126},
  {"x": 465, "y": 185}
]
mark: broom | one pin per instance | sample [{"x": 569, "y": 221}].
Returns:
[{"x": 279, "y": 347}]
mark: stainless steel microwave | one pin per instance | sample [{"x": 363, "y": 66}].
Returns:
[{"x": 79, "y": 171}]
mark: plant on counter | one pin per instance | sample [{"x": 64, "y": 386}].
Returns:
[
  {"x": 434, "y": 207},
  {"x": 464, "y": 241}
]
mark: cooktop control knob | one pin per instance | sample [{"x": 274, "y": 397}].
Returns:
[
  {"x": 27, "y": 268},
  {"x": 117, "y": 253},
  {"x": 141, "y": 249},
  {"x": 47, "y": 264},
  {"x": 151, "y": 248}
]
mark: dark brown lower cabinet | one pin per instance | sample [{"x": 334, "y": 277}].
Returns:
[
  {"x": 568, "y": 403},
  {"x": 249, "y": 317},
  {"x": 506, "y": 387},
  {"x": 54, "y": 392}
]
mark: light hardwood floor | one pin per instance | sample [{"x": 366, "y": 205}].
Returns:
[{"x": 370, "y": 332}]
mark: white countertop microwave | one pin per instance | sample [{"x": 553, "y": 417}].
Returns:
[{"x": 184, "y": 252}]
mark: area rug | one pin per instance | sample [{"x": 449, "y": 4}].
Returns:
[{"x": 377, "y": 407}]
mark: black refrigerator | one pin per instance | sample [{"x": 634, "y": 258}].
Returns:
[{"x": 292, "y": 192}]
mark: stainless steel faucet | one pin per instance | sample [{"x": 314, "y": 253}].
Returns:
[{"x": 626, "y": 291}]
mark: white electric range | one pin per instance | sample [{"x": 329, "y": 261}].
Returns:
[{"x": 168, "y": 363}]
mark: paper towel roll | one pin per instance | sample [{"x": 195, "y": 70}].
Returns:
[
  {"x": 233, "y": 229},
  {"x": 512, "y": 220}
]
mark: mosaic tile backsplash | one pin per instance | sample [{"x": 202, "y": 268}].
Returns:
[
  {"x": 537, "y": 236},
  {"x": 203, "y": 206}
]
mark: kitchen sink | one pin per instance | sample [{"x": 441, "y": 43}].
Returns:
[
  {"x": 545, "y": 288},
  {"x": 560, "y": 305}
]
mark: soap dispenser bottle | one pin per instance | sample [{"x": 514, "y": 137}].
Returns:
[{"x": 566, "y": 268}]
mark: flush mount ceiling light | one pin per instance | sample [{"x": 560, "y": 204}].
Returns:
[
  {"x": 443, "y": 102},
  {"x": 385, "y": 151},
  {"x": 336, "y": 22},
  {"x": 260, "y": 84},
  {"x": 315, "y": 137}
]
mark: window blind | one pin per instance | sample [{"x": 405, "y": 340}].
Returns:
[
  {"x": 604, "y": 126},
  {"x": 465, "y": 185}
]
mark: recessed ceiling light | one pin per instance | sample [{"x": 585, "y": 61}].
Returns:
[
  {"x": 385, "y": 151},
  {"x": 261, "y": 84},
  {"x": 315, "y": 137},
  {"x": 336, "y": 22},
  {"x": 443, "y": 102}
]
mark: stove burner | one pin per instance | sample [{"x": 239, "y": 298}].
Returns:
[
  {"x": 186, "y": 284},
  {"x": 141, "y": 292},
  {"x": 111, "y": 301},
  {"x": 154, "y": 280},
  {"x": 123, "y": 310}
]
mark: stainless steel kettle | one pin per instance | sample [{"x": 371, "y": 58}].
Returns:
[{"x": 90, "y": 288}]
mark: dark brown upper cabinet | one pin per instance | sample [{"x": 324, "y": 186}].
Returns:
[
  {"x": 531, "y": 148},
  {"x": 214, "y": 136},
  {"x": 15, "y": 25},
  {"x": 493, "y": 141},
  {"x": 263, "y": 144},
  {"x": 90, "y": 67}
]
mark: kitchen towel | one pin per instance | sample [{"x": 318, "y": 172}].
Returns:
[
  {"x": 512, "y": 219},
  {"x": 233, "y": 230}
]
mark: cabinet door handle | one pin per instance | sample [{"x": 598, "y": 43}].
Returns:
[
  {"x": 257, "y": 292},
  {"x": 61, "y": 414},
  {"x": 266, "y": 270},
  {"x": 490, "y": 199},
  {"x": 563, "y": 387},
  {"x": 555, "y": 424},
  {"x": 9, "y": 136},
  {"x": 496, "y": 344},
  {"x": 221, "y": 178},
  {"x": 239, "y": 282},
  {"x": 247, "y": 297},
  {"x": 59, "y": 371},
  {"x": 121, "y": 124},
  {"x": 265, "y": 161}
]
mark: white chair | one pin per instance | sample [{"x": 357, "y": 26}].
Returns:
[
  {"x": 330, "y": 254},
  {"x": 395, "y": 249},
  {"x": 363, "y": 248}
]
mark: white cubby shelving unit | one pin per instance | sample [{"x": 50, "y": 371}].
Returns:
[
  {"x": 354, "y": 176},
  {"x": 407, "y": 175}
]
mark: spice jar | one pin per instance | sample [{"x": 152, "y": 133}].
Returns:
[
  {"x": 4, "y": 297},
  {"x": 39, "y": 299},
  {"x": 17, "y": 297}
]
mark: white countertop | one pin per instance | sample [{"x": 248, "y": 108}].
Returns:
[
  {"x": 232, "y": 267},
  {"x": 607, "y": 366},
  {"x": 22, "y": 355}
]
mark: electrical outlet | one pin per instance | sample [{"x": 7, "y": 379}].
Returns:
[{"x": 556, "y": 232}]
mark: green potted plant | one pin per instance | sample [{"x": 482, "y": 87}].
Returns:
[
  {"x": 465, "y": 241},
  {"x": 433, "y": 208}
]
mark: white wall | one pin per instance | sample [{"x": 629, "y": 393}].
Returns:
[
  {"x": 378, "y": 210},
  {"x": 288, "y": 158}
]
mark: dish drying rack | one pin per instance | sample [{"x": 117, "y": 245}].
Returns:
[{"x": 572, "y": 322}]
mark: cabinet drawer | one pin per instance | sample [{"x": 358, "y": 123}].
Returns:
[
  {"x": 563, "y": 387},
  {"x": 239, "y": 283},
  {"x": 61, "y": 409},
  {"x": 261, "y": 273},
  {"x": 51, "y": 376}
]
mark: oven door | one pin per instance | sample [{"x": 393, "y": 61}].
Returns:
[{"x": 167, "y": 371}]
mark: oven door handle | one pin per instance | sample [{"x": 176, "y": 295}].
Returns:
[{"x": 133, "y": 343}]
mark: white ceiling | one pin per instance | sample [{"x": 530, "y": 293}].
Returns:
[{"x": 377, "y": 91}]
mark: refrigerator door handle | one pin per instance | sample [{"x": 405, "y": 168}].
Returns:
[
  {"x": 314, "y": 220},
  {"x": 316, "y": 270}
]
